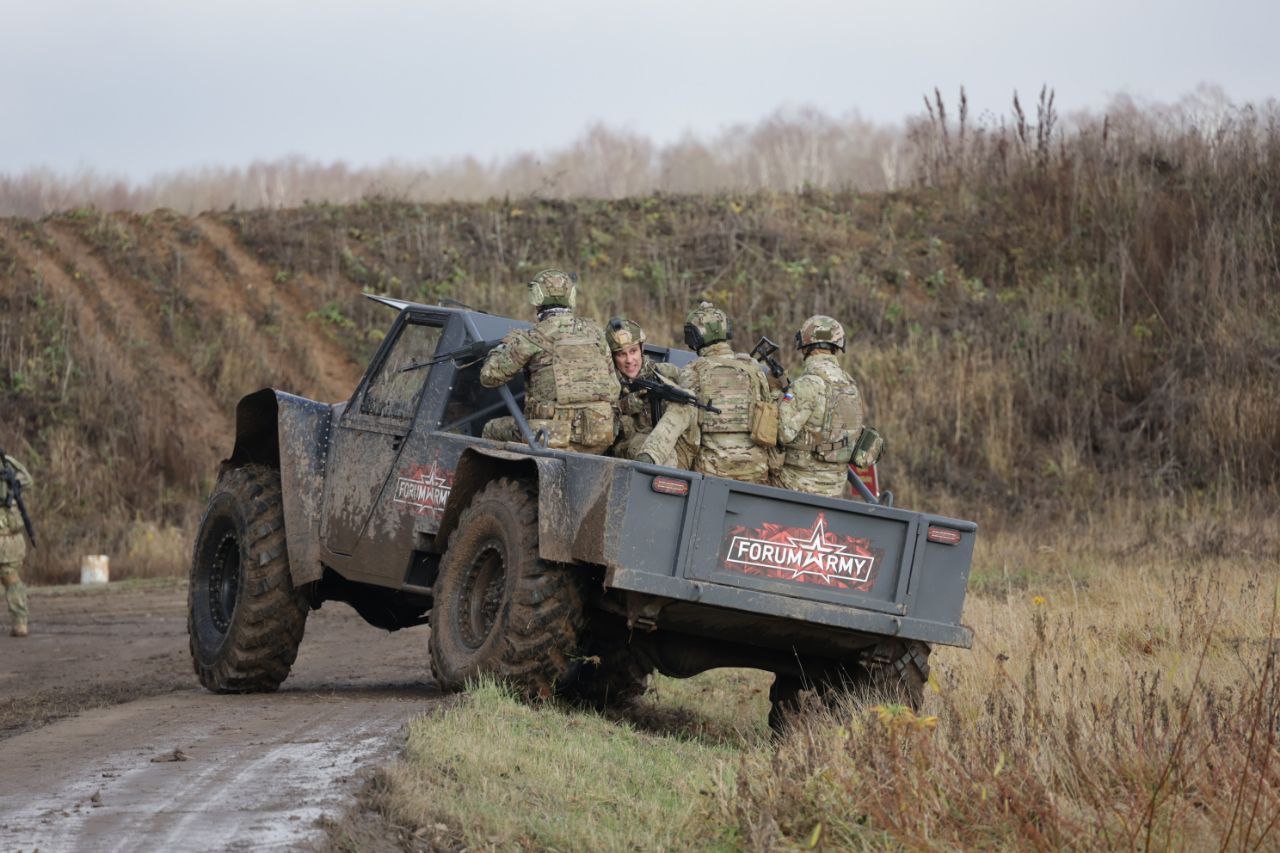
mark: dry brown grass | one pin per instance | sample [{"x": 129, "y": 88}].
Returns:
[{"x": 1122, "y": 693}]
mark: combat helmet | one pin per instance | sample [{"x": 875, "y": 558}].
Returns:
[
  {"x": 621, "y": 334},
  {"x": 553, "y": 289},
  {"x": 707, "y": 325},
  {"x": 820, "y": 329}
]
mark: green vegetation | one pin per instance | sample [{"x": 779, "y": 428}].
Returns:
[{"x": 502, "y": 773}]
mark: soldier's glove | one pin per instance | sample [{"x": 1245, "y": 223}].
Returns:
[{"x": 646, "y": 459}]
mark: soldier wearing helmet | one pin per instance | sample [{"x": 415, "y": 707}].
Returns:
[
  {"x": 570, "y": 385},
  {"x": 13, "y": 543},
  {"x": 820, "y": 416},
  {"x": 638, "y": 410},
  {"x": 734, "y": 442}
]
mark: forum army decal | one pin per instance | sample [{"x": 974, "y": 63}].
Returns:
[
  {"x": 805, "y": 555},
  {"x": 425, "y": 488}
]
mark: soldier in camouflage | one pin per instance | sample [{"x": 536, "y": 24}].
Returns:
[
  {"x": 13, "y": 548},
  {"x": 733, "y": 443},
  {"x": 638, "y": 411},
  {"x": 571, "y": 390},
  {"x": 819, "y": 415}
]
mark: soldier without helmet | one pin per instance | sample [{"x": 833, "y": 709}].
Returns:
[
  {"x": 820, "y": 417},
  {"x": 735, "y": 442},
  {"x": 638, "y": 410},
  {"x": 570, "y": 386}
]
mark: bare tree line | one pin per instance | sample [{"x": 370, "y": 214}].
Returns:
[{"x": 785, "y": 151}]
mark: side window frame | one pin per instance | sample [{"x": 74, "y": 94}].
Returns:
[{"x": 353, "y": 416}]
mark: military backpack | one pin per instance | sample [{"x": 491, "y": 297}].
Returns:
[
  {"x": 841, "y": 423},
  {"x": 580, "y": 369}
]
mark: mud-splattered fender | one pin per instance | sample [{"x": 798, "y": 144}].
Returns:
[
  {"x": 559, "y": 514},
  {"x": 292, "y": 434}
]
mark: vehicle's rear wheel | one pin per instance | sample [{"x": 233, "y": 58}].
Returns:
[
  {"x": 901, "y": 679},
  {"x": 244, "y": 617},
  {"x": 612, "y": 673},
  {"x": 897, "y": 676},
  {"x": 499, "y": 608}
]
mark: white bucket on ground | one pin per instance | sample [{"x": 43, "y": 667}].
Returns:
[{"x": 94, "y": 569}]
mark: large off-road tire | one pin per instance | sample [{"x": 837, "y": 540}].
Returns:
[
  {"x": 897, "y": 677},
  {"x": 902, "y": 678},
  {"x": 785, "y": 700},
  {"x": 499, "y": 608},
  {"x": 244, "y": 617}
]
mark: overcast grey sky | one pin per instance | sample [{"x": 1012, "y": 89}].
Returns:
[{"x": 144, "y": 86}]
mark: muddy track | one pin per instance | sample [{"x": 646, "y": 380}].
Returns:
[{"x": 108, "y": 743}]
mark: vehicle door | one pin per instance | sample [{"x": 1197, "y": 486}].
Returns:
[{"x": 370, "y": 434}]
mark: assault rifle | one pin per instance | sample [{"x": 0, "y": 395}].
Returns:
[
  {"x": 14, "y": 496},
  {"x": 671, "y": 393},
  {"x": 763, "y": 352},
  {"x": 463, "y": 356}
]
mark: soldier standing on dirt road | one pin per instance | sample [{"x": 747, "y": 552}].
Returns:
[
  {"x": 13, "y": 545},
  {"x": 571, "y": 390},
  {"x": 639, "y": 410},
  {"x": 734, "y": 442}
]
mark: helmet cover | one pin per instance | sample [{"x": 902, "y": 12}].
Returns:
[{"x": 553, "y": 288}]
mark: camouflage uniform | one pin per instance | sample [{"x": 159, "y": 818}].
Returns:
[
  {"x": 636, "y": 412},
  {"x": 13, "y": 549},
  {"x": 721, "y": 445},
  {"x": 571, "y": 389},
  {"x": 819, "y": 417},
  {"x": 635, "y": 408}
]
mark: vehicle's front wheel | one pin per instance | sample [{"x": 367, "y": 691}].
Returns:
[
  {"x": 244, "y": 617},
  {"x": 499, "y": 608}
]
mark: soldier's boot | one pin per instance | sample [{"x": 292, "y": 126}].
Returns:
[{"x": 15, "y": 593}]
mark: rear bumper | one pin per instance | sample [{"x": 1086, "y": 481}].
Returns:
[{"x": 814, "y": 612}]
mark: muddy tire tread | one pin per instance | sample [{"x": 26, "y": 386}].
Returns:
[
  {"x": 270, "y": 614},
  {"x": 541, "y": 620}
]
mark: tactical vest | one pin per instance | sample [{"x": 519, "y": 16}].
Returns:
[
  {"x": 580, "y": 370},
  {"x": 730, "y": 387},
  {"x": 841, "y": 423}
]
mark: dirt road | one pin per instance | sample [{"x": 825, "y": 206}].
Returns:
[{"x": 106, "y": 742}]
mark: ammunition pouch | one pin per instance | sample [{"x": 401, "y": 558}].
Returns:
[
  {"x": 558, "y": 432},
  {"x": 764, "y": 424},
  {"x": 591, "y": 427},
  {"x": 839, "y": 451},
  {"x": 584, "y": 426},
  {"x": 868, "y": 448},
  {"x": 539, "y": 410}
]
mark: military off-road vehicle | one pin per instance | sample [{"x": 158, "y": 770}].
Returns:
[{"x": 556, "y": 571}]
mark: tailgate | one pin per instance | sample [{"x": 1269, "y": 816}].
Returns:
[{"x": 870, "y": 568}]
